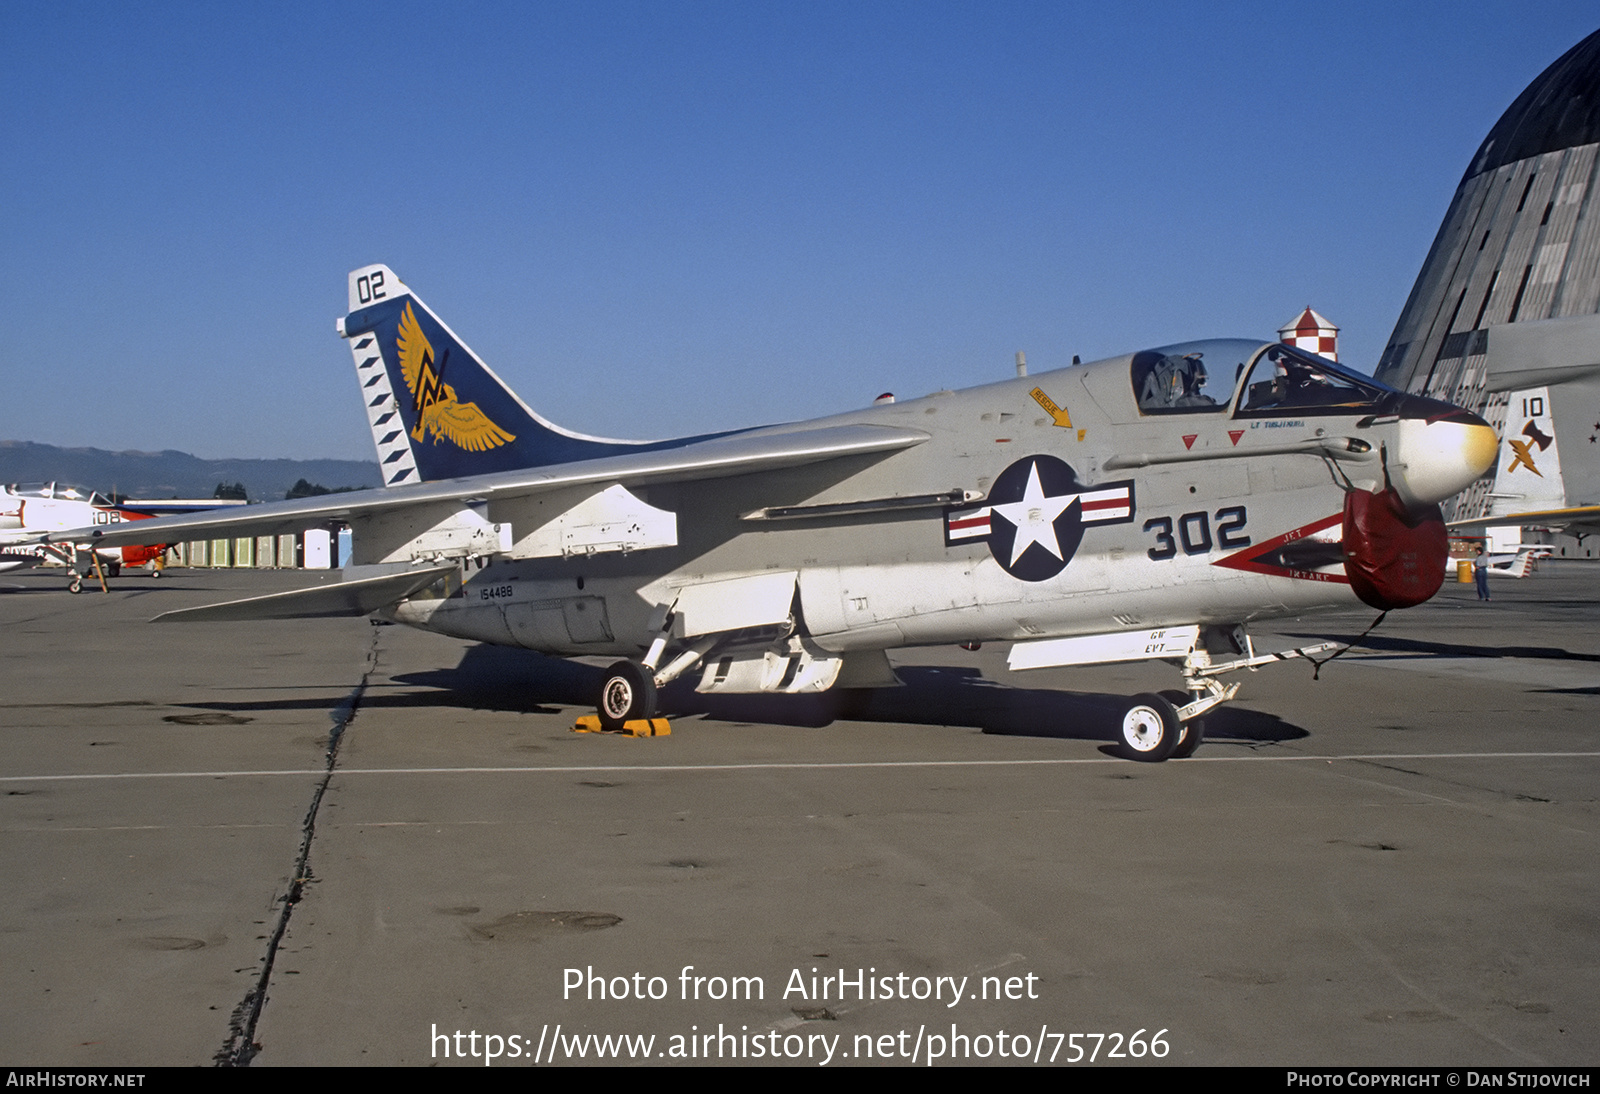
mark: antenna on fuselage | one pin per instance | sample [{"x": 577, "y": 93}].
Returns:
[{"x": 1022, "y": 363}]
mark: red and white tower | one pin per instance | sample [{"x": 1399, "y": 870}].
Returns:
[{"x": 1313, "y": 333}]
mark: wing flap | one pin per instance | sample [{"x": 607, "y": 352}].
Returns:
[{"x": 344, "y": 598}]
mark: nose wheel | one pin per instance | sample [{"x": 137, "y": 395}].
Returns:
[{"x": 1150, "y": 729}]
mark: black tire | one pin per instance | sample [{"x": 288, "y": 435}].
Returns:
[
  {"x": 1150, "y": 729},
  {"x": 75, "y": 585},
  {"x": 1194, "y": 730},
  {"x": 628, "y": 694},
  {"x": 1194, "y": 735},
  {"x": 113, "y": 569}
]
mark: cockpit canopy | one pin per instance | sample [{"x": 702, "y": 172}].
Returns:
[
  {"x": 60, "y": 491},
  {"x": 1286, "y": 380},
  {"x": 1256, "y": 380}
]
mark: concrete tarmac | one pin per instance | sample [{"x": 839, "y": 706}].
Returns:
[{"x": 1393, "y": 864}]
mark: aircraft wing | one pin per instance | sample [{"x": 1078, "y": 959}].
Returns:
[
  {"x": 719, "y": 457},
  {"x": 361, "y": 597},
  {"x": 1575, "y": 519}
]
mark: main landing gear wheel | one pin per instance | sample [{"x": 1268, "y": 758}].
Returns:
[
  {"x": 1194, "y": 730},
  {"x": 628, "y": 694},
  {"x": 75, "y": 585},
  {"x": 1150, "y": 729}
]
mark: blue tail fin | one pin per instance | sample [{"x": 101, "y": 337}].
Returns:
[{"x": 436, "y": 410}]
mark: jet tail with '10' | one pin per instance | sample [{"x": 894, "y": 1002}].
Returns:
[{"x": 1550, "y": 370}]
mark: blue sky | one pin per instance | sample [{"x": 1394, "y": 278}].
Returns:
[{"x": 664, "y": 218}]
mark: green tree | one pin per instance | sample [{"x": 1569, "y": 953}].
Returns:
[{"x": 304, "y": 489}]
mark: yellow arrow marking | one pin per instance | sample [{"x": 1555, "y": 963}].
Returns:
[{"x": 1062, "y": 418}]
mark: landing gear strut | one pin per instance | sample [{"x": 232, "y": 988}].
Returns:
[
  {"x": 628, "y": 693},
  {"x": 83, "y": 563}
]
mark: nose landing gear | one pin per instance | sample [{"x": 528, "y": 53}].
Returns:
[{"x": 1170, "y": 725}]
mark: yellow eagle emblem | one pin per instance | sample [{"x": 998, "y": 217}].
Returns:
[{"x": 438, "y": 412}]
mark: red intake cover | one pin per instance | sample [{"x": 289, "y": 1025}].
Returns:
[
  {"x": 138, "y": 556},
  {"x": 1395, "y": 559}
]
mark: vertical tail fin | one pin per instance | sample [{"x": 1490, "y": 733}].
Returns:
[
  {"x": 1528, "y": 475},
  {"x": 1523, "y": 564},
  {"x": 435, "y": 409}
]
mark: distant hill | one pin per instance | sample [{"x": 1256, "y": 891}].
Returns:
[{"x": 173, "y": 474}]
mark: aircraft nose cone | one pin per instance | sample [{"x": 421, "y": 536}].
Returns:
[{"x": 1438, "y": 459}]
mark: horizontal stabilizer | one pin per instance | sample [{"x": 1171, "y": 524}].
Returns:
[
  {"x": 1575, "y": 520},
  {"x": 1542, "y": 353},
  {"x": 342, "y": 598}
]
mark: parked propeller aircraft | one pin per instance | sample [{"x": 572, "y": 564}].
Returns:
[
  {"x": 1150, "y": 505},
  {"x": 31, "y": 508},
  {"x": 1519, "y": 564}
]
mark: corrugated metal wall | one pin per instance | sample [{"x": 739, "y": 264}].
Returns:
[{"x": 1520, "y": 242}]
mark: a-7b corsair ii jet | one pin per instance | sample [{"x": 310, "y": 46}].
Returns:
[{"x": 1149, "y": 505}]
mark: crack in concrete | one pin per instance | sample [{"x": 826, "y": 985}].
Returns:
[{"x": 240, "y": 1047}]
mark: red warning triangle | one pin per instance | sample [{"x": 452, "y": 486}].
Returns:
[
  {"x": 1235, "y": 434},
  {"x": 1188, "y": 439}
]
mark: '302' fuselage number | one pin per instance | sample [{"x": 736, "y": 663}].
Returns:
[{"x": 1192, "y": 532}]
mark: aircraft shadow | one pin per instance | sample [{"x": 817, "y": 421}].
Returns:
[
  {"x": 55, "y": 582},
  {"x": 1459, "y": 649},
  {"x": 505, "y": 678}
]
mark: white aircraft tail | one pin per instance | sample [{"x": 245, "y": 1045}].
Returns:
[
  {"x": 1528, "y": 475},
  {"x": 1522, "y": 565}
]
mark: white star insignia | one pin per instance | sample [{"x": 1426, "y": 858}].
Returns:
[{"x": 1035, "y": 517}]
